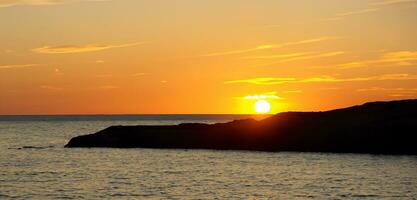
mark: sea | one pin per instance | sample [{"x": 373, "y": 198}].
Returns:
[{"x": 35, "y": 165}]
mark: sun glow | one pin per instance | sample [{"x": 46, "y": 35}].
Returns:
[{"x": 262, "y": 106}]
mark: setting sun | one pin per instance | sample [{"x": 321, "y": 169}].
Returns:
[
  {"x": 262, "y": 106},
  {"x": 281, "y": 85}
]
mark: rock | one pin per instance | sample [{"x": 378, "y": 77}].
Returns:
[{"x": 376, "y": 128}]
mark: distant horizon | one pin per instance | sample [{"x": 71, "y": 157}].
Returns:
[
  {"x": 197, "y": 114},
  {"x": 5, "y": 115}
]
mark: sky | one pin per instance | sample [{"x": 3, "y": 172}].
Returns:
[{"x": 205, "y": 56}]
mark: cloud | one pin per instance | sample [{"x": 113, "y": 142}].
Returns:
[
  {"x": 342, "y": 15},
  {"x": 79, "y": 49},
  {"x": 17, "y": 66},
  {"x": 357, "y": 12},
  {"x": 306, "y": 57},
  {"x": 10, "y": 3},
  {"x": 407, "y": 90},
  {"x": 399, "y": 56},
  {"x": 402, "y": 95},
  {"x": 392, "y": 2},
  {"x": 138, "y": 74},
  {"x": 58, "y": 71},
  {"x": 280, "y": 56},
  {"x": 263, "y": 81},
  {"x": 283, "y": 58},
  {"x": 394, "y": 92},
  {"x": 270, "y": 46},
  {"x": 373, "y": 7},
  {"x": 384, "y": 77},
  {"x": 396, "y": 57},
  {"x": 52, "y": 88},
  {"x": 321, "y": 79},
  {"x": 261, "y": 47},
  {"x": 268, "y": 95},
  {"x": 308, "y": 41}
]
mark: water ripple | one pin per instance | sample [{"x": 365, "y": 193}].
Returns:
[{"x": 33, "y": 165}]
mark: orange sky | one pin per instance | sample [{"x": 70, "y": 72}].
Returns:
[{"x": 208, "y": 56}]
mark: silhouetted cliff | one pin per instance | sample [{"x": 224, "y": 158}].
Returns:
[{"x": 377, "y": 128}]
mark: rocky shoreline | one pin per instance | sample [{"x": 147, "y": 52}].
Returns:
[{"x": 375, "y": 128}]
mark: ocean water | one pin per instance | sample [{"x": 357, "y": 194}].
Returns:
[{"x": 34, "y": 165}]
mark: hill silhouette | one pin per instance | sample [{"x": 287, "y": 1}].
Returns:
[{"x": 375, "y": 127}]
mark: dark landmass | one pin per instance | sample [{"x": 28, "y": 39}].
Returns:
[{"x": 375, "y": 128}]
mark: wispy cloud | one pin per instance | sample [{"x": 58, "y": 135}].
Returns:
[
  {"x": 392, "y": 2},
  {"x": 342, "y": 15},
  {"x": 283, "y": 58},
  {"x": 222, "y": 53},
  {"x": 395, "y": 57},
  {"x": 10, "y": 3},
  {"x": 17, "y": 66},
  {"x": 373, "y": 7},
  {"x": 264, "y": 81},
  {"x": 270, "y": 46},
  {"x": 314, "y": 56},
  {"x": 357, "y": 12},
  {"x": 280, "y": 56},
  {"x": 400, "y": 56},
  {"x": 139, "y": 74},
  {"x": 79, "y": 49},
  {"x": 321, "y": 79},
  {"x": 58, "y": 71},
  {"x": 413, "y": 90},
  {"x": 51, "y": 88},
  {"x": 268, "y": 95},
  {"x": 394, "y": 92},
  {"x": 402, "y": 95}
]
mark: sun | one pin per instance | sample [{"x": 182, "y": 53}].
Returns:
[{"x": 262, "y": 106}]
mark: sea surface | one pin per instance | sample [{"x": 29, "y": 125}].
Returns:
[{"x": 34, "y": 165}]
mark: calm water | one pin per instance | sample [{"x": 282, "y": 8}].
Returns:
[{"x": 34, "y": 165}]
